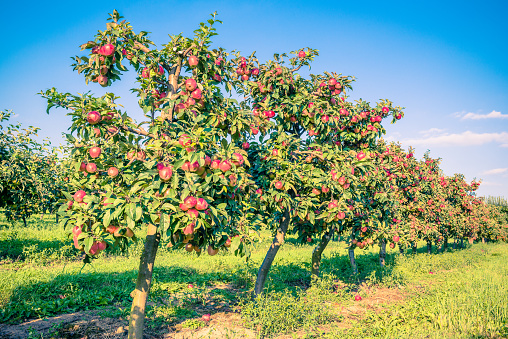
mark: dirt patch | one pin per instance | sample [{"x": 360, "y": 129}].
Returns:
[
  {"x": 88, "y": 324},
  {"x": 222, "y": 325}
]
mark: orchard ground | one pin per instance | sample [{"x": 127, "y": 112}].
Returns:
[{"x": 458, "y": 294}]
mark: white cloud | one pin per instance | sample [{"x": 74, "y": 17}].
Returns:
[
  {"x": 467, "y": 138},
  {"x": 495, "y": 171},
  {"x": 432, "y": 131},
  {"x": 475, "y": 116},
  {"x": 489, "y": 183}
]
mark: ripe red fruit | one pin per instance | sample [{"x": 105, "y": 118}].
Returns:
[
  {"x": 190, "y": 85},
  {"x": 396, "y": 238},
  {"x": 237, "y": 159},
  {"x": 95, "y": 152},
  {"x": 113, "y": 172},
  {"x": 358, "y": 297},
  {"x": 301, "y": 54},
  {"x": 385, "y": 109},
  {"x": 79, "y": 195},
  {"x": 309, "y": 239},
  {"x": 189, "y": 229},
  {"x": 316, "y": 191},
  {"x": 165, "y": 173},
  {"x": 392, "y": 245},
  {"x": 145, "y": 73},
  {"x": 211, "y": 250},
  {"x": 197, "y": 94},
  {"x": 225, "y": 166},
  {"x": 189, "y": 247},
  {"x": 279, "y": 185},
  {"x": 93, "y": 117},
  {"x": 184, "y": 140},
  {"x": 82, "y": 167},
  {"x": 102, "y": 80},
  {"x": 360, "y": 156},
  {"x": 245, "y": 145},
  {"x": 193, "y": 61},
  {"x": 107, "y": 50},
  {"x": 201, "y": 204},
  {"x": 91, "y": 168}
]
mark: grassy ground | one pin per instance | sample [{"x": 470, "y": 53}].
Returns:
[{"x": 458, "y": 294}]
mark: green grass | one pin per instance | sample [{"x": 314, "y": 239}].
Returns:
[{"x": 465, "y": 297}]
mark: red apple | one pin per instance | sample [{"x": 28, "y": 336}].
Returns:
[
  {"x": 93, "y": 117},
  {"x": 201, "y": 204},
  {"x": 301, "y": 54},
  {"x": 91, "y": 168},
  {"x": 193, "y": 61},
  {"x": 107, "y": 50},
  {"x": 358, "y": 298},
  {"x": 212, "y": 251},
  {"x": 190, "y": 85},
  {"x": 113, "y": 172},
  {"x": 165, "y": 173},
  {"x": 102, "y": 80},
  {"x": 225, "y": 166},
  {"x": 279, "y": 185},
  {"x": 95, "y": 152}
]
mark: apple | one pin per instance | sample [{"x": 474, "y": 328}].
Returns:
[
  {"x": 201, "y": 204},
  {"x": 69, "y": 204},
  {"x": 113, "y": 172},
  {"x": 190, "y": 201},
  {"x": 245, "y": 145},
  {"x": 211, "y": 250},
  {"x": 309, "y": 239},
  {"x": 228, "y": 242},
  {"x": 333, "y": 204},
  {"x": 396, "y": 238},
  {"x": 301, "y": 54},
  {"x": 237, "y": 159},
  {"x": 93, "y": 117},
  {"x": 316, "y": 191},
  {"x": 79, "y": 195},
  {"x": 184, "y": 140},
  {"x": 95, "y": 152},
  {"x": 190, "y": 85},
  {"x": 385, "y": 110},
  {"x": 225, "y": 166},
  {"x": 189, "y": 247},
  {"x": 165, "y": 173},
  {"x": 82, "y": 167},
  {"x": 360, "y": 156},
  {"x": 193, "y": 61},
  {"x": 107, "y": 50},
  {"x": 279, "y": 185},
  {"x": 358, "y": 297},
  {"x": 102, "y": 80},
  {"x": 215, "y": 164},
  {"x": 392, "y": 245},
  {"x": 206, "y": 317},
  {"x": 76, "y": 230},
  {"x": 91, "y": 167},
  {"x": 341, "y": 215},
  {"x": 197, "y": 94}
]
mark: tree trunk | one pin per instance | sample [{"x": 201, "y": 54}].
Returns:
[
  {"x": 445, "y": 244},
  {"x": 56, "y": 218},
  {"x": 382, "y": 252},
  {"x": 429, "y": 246},
  {"x": 278, "y": 240},
  {"x": 24, "y": 220},
  {"x": 461, "y": 242},
  {"x": 318, "y": 250},
  {"x": 137, "y": 317},
  {"x": 352, "y": 259},
  {"x": 414, "y": 247},
  {"x": 483, "y": 240},
  {"x": 401, "y": 249}
]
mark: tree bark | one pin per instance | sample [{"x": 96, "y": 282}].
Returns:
[
  {"x": 429, "y": 246},
  {"x": 278, "y": 240},
  {"x": 401, "y": 249},
  {"x": 56, "y": 218},
  {"x": 318, "y": 250},
  {"x": 24, "y": 220},
  {"x": 445, "y": 244},
  {"x": 414, "y": 247},
  {"x": 352, "y": 260},
  {"x": 382, "y": 252},
  {"x": 483, "y": 240},
  {"x": 461, "y": 242},
  {"x": 137, "y": 316}
]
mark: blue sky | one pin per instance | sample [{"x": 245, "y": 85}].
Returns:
[{"x": 445, "y": 61}]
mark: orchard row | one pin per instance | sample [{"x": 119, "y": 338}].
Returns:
[{"x": 207, "y": 171}]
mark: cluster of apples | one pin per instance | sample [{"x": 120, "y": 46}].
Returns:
[
  {"x": 245, "y": 72},
  {"x": 191, "y": 95},
  {"x": 104, "y": 51}
]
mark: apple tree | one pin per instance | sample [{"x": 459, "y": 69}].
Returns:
[{"x": 180, "y": 174}]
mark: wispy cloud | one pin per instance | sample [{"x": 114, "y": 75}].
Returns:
[
  {"x": 475, "y": 116},
  {"x": 495, "y": 171},
  {"x": 432, "y": 131},
  {"x": 467, "y": 138}
]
